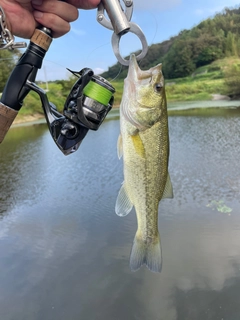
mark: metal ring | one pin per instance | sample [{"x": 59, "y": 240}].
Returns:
[{"x": 134, "y": 28}]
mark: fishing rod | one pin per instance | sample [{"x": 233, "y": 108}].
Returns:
[
  {"x": 91, "y": 97},
  {"x": 87, "y": 105}
]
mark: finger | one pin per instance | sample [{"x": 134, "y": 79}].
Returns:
[
  {"x": 23, "y": 30},
  {"x": 58, "y": 26},
  {"x": 84, "y": 4},
  {"x": 64, "y": 10},
  {"x": 15, "y": 15}
]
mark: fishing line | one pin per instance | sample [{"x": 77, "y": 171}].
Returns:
[
  {"x": 120, "y": 66},
  {"x": 156, "y": 27},
  {"x": 53, "y": 62},
  {"x": 120, "y": 70},
  {"x": 102, "y": 45},
  {"x": 83, "y": 63},
  {"x": 155, "y": 33}
]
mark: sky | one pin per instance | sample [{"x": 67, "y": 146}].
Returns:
[{"x": 88, "y": 44}]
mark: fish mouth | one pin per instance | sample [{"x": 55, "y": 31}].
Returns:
[
  {"x": 135, "y": 73},
  {"x": 133, "y": 64}
]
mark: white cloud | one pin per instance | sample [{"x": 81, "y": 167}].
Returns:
[
  {"x": 156, "y": 4},
  {"x": 199, "y": 12},
  {"x": 98, "y": 70},
  {"x": 78, "y": 32}
]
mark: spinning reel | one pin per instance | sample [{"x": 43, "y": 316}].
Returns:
[{"x": 87, "y": 105}]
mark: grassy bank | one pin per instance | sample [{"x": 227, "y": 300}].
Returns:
[{"x": 201, "y": 85}]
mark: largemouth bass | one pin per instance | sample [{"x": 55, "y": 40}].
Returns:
[{"x": 144, "y": 145}]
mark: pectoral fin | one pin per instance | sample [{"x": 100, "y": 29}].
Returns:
[
  {"x": 168, "y": 191},
  {"x": 123, "y": 204},
  {"x": 138, "y": 145},
  {"x": 119, "y": 147}
]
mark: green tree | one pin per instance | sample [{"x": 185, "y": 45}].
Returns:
[
  {"x": 178, "y": 61},
  {"x": 7, "y": 62},
  {"x": 231, "y": 44},
  {"x": 232, "y": 80},
  {"x": 208, "y": 55}
]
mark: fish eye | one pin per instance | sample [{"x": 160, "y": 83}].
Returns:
[{"x": 158, "y": 87}]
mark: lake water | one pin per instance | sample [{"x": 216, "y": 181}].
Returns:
[{"x": 64, "y": 254}]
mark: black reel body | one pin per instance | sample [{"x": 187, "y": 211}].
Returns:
[{"x": 87, "y": 105}]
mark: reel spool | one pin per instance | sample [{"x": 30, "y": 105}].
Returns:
[
  {"x": 90, "y": 99},
  {"x": 98, "y": 96}
]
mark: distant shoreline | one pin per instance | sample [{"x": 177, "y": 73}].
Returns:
[
  {"x": 39, "y": 118},
  {"x": 28, "y": 119},
  {"x": 33, "y": 118}
]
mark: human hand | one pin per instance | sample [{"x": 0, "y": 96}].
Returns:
[
  {"x": 85, "y": 4},
  {"x": 23, "y": 16}
]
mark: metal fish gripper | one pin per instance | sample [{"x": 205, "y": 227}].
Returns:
[{"x": 119, "y": 22}]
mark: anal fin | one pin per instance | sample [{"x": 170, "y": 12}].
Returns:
[{"x": 168, "y": 191}]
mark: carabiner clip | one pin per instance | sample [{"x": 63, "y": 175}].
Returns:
[{"x": 120, "y": 24}]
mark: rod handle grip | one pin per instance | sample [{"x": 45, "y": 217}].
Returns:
[{"x": 7, "y": 116}]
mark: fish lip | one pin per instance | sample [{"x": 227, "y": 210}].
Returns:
[
  {"x": 133, "y": 68},
  {"x": 134, "y": 71},
  {"x": 133, "y": 61}
]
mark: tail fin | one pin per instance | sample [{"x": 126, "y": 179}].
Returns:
[{"x": 148, "y": 253}]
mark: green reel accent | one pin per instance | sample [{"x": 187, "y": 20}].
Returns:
[{"x": 97, "y": 92}]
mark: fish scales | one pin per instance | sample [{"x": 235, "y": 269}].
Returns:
[
  {"x": 144, "y": 144},
  {"x": 146, "y": 184}
]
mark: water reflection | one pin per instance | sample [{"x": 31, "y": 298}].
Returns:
[
  {"x": 64, "y": 253},
  {"x": 202, "y": 302},
  {"x": 18, "y": 155},
  {"x": 209, "y": 150}
]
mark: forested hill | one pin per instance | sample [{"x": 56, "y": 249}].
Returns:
[{"x": 212, "y": 39}]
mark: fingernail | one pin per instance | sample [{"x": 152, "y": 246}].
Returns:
[
  {"x": 37, "y": 2},
  {"x": 37, "y": 14}
]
